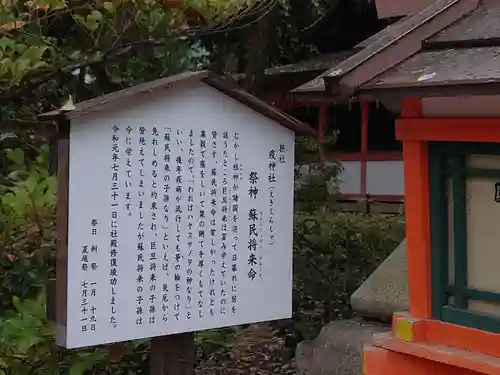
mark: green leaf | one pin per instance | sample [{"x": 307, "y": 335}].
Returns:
[
  {"x": 16, "y": 156},
  {"x": 5, "y": 66},
  {"x": 115, "y": 77},
  {"x": 19, "y": 47},
  {"x": 76, "y": 54},
  {"x": 108, "y": 5},
  {"x": 34, "y": 53},
  {"x": 56, "y": 4},
  {"x": 80, "y": 20},
  {"x": 79, "y": 368},
  {"x": 7, "y": 43},
  {"x": 94, "y": 19},
  {"x": 26, "y": 342},
  {"x": 16, "y": 302},
  {"x": 4, "y": 365},
  {"x": 18, "y": 200},
  {"x": 31, "y": 182},
  {"x": 20, "y": 67},
  {"x": 155, "y": 18},
  {"x": 39, "y": 65}
]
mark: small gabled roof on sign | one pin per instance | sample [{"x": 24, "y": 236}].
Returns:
[
  {"x": 222, "y": 84},
  {"x": 392, "y": 47}
]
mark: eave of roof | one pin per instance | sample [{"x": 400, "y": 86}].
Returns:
[
  {"x": 313, "y": 91},
  {"x": 318, "y": 64},
  {"x": 377, "y": 36},
  {"x": 481, "y": 25},
  {"x": 318, "y": 84},
  {"x": 461, "y": 69},
  {"x": 393, "y": 46},
  {"x": 291, "y": 72},
  {"x": 461, "y": 60},
  {"x": 179, "y": 80}
]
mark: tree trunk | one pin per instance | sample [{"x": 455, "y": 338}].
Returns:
[{"x": 257, "y": 54}]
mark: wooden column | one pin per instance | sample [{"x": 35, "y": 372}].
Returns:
[
  {"x": 322, "y": 119},
  {"x": 173, "y": 355},
  {"x": 61, "y": 286},
  {"x": 365, "y": 108},
  {"x": 416, "y": 180}
]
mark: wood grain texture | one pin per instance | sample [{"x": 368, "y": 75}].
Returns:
[
  {"x": 173, "y": 354},
  {"x": 62, "y": 230}
]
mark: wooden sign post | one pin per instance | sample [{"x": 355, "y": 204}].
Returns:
[
  {"x": 175, "y": 214},
  {"x": 173, "y": 355}
]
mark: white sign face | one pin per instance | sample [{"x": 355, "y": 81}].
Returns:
[{"x": 180, "y": 219}]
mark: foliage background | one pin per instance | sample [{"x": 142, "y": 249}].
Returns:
[
  {"x": 333, "y": 253},
  {"x": 50, "y": 49}
]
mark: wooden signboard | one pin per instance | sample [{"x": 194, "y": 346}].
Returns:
[{"x": 177, "y": 214}]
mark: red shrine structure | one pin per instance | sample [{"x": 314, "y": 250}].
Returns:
[{"x": 441, "y": 65}]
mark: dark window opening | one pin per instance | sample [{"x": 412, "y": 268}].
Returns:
[
  {"x": 344, "y": 123},
  {"x": 382, "y": 129},
  {"x": 308, "y": 115}
]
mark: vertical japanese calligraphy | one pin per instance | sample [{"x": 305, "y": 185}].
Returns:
[
  {"x": 153, "y": 226},
  {"x": 179, "y": 209},
  {"x": 235, "y": 209},
  {"x": 128, "y": 171},
  {"x": 88, "y": 308},
  {"x": 167, "y": 156},
  {"x": 271, "y": 177},
  {"x": 214, "y": 195},
  {"x": 113, "y": 251},
  {"x": 253, "y": 218},
  {"x": 187, "y": 227},
  {"x": 202, "y": 223},
  {"x": 190, "y": 225},
  {"x": 88, "y": 288},
  {"x": 85, "y": 258},
  {"x": 224, "y": 218},
  {"x": 140, "y": 227}
]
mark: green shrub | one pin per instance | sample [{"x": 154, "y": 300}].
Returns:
[
  {"x": 333, "y": 254},
  {"x": 27, "y": 347},
  {"x": 27, "y": 226}
]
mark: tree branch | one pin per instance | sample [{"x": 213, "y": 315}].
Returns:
[{"x": 118, "y": 50}]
